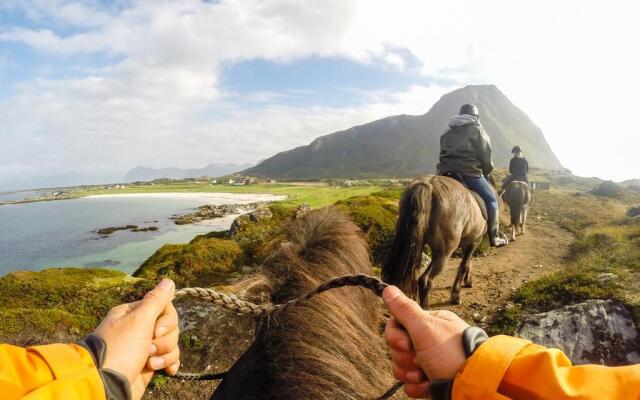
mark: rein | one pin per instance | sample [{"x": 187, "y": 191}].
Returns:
[{"x": 242, "y": 307}]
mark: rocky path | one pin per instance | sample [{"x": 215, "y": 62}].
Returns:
[{"x": 539, "y": 252}]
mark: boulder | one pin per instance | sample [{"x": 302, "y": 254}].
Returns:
[
  {"x": 596, "y": 331},
  {"x": 302, "y": 210},
  {"x": 254, "y": 216},
  {"x": 606, "y": 277},
  {"x": 260, "y": 214},
  {"x": 212, "y": 339}
]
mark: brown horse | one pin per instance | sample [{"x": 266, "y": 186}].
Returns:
[
  {"x": 517, "y": 195},
  {"x": 439, "y": 212},
  {"x": 327, "y": 348}
]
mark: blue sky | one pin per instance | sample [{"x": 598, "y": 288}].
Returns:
[{"x": 90, "y": 89}]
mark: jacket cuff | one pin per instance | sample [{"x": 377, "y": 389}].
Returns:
[
  {"x": 116, "y": 386},
  {"x": 485, "y": 369},
  {"x": 472, "y": 338}
]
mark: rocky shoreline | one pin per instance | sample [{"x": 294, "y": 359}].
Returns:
[
  {"x": 132, "y": 228},
  {"x": 208, "y": 211}
]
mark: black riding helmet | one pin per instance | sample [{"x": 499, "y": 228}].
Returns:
[
  {"x": 516, "y": 149},
  {"x": 469, "y": 109}
]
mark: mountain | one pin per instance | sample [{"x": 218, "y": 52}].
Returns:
[
  {"x": 408, "y": 145},
  {"x": 149, "y": 174},
  {"x": 631, "y": 182}
]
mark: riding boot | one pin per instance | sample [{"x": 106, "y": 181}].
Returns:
[{"x": 494, "y": 236}]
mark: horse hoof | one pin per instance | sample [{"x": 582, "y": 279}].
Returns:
[
  {"x": 456, "y": 301},
  {"x": 468, "y": 285}
]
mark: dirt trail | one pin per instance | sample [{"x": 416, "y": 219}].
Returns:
[
  {"x": 495, "y": 276},
  {"x": 539, "y": 252}
]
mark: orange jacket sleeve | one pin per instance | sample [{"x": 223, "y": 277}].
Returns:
[
  {"x": 55, "y": 371},
  {"x": 505, "y": 367}
]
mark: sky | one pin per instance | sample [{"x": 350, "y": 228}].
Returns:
[{"x": 90, "y": 89}]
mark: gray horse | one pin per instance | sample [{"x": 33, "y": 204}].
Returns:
[{"x": 518, "y": 196}]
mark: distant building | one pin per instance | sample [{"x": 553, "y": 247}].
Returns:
[
  {"x": 243, "y": 180},
  {"x": 272, "y": 181},
  {"x": 540, "y": 185}
]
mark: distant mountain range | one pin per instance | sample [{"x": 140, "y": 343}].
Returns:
[
  {"x": 148, "y": 174},
  {"x": 408, "y": 145}
]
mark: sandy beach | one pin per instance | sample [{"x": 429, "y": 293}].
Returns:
[{"x": 209, "y": 198}]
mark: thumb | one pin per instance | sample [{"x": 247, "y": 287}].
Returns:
[
  {"x": 156, "y": 300},
  {"x": 406, "y": 311}
]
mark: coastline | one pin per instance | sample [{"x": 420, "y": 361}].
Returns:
[
  {"x": 236, "y": 198},
  {"x": 124, "y": 250}
]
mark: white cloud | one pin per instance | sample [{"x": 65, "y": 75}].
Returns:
[{"x": 570, "y": 65}]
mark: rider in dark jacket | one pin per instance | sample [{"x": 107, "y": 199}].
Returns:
[
  {"x": 518, "y": 168},
  {"x": 466, "y": 149}
]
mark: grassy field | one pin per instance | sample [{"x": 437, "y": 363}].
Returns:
[
  {"x": 315, "y": 194},
  {"x": 603, "y": 262}
]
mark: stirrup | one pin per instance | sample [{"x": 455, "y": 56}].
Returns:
[{"x": 500, "y": 240}]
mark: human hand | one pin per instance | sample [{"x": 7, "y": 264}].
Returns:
[
  {"x": 422, "y": 342},
  {"x": 142, "y": 337}
]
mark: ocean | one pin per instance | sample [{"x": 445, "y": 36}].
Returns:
[{"x": 61, "y": 233}]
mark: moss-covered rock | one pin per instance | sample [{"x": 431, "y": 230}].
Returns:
[
  {"x": 376, "y": 216},
  {"x": 204, "y": 261},
  {"x": 62, "y": 301},
  {"x": 255, "y": 235}
]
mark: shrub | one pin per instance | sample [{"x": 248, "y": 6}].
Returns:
[
  {"x": 633, "y": 212},
  {"x": 376, "y": 216},
  {"x": 202, "y": 262},
  {"x": 610, "y": 189}
]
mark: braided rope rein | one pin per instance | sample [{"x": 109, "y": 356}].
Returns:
[{"x": 242, "y": 307}]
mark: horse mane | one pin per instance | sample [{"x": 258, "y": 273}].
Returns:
[{"x": 329, "y": 347}]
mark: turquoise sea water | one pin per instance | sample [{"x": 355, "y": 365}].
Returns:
[
  {"x": 14, "y": 196},
  {"x": 35, "y": 236}
]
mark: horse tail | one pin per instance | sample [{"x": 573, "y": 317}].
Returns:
[
  {"x": 405, "y": 255},
  {"x": 517, "y": 200}
]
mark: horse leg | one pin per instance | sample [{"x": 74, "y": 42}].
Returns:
[
  {"x": 467, "y": 276},
  {"x": 426, "y": 279},
  {"x": 524, "y": 220},
  {"x": 513, "y": 231},
  {"x": 464, "y": 273}
]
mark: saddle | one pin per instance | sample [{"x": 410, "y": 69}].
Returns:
[{"x": 479, "y": 200}]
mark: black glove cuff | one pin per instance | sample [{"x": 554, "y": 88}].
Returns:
[
  {"x": 116, "y": 386},
  {"x": 472, "y": 338},
  {"x": 441, "y": 390}
]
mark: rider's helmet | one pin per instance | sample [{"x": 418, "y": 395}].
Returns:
[
  {"x": 469, "y": 109},
  {"x": 516, "y": 150}
]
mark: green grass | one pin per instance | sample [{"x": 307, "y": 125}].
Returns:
[
  {"x": 376, "y": 215},
  {"x": 606, "y": 243},
  {"x": 576, "y": 211},
  {"x": 315, "y": 194},
  {"x": 71, "y": 300},
  {"x": 200, "y": 262}
]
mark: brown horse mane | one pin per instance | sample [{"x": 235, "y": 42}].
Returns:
[{"x": 327, "y": 348}]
